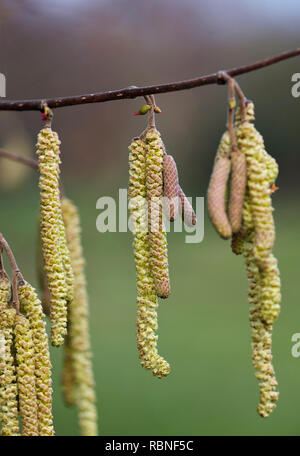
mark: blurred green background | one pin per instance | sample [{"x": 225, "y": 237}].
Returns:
[{"x": 72, "y": 47}]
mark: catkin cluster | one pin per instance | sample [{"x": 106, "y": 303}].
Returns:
[
  {"x": 56, "y": 258},
  {"x": 78, "y": 380},
  {"x": 145, "y": 179},
  {"x": 250, "y": 173},
  {"x": 25, "y": 367}
]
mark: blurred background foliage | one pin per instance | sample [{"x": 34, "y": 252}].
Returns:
[{"x": 68, "y": 47}]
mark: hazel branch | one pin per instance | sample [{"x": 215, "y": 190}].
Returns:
[
  {"x": 25, "y": 161},
  {"x": 134, "y": 92}
]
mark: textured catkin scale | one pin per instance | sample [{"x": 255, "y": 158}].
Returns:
[
  {"x": 146, "y": 295},
  {"x": 25, "y": 359},
  {"x": 262, "y": 171},
  {"x": 50, "y": 213},
  {"x": 79, "y": 377},
  {"x": 32, "y": 308},
  {"x": 237, "y": 189},
  {"x": 8, "y": 386},
  {"x": 170, "y": 179},
  {"x": 157, "y": 234},
  {"x": 187, "y": 212}
]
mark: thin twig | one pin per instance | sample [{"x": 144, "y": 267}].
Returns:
[
  {"x": 25, "y": 161},
  {"x": 134, "y": 92}
]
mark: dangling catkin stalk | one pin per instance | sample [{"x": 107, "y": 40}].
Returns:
[
  {"x": 146, "y": 293},
  {"x": 8, "y": 386},
  {"x": 48, "y": 152},
  {"x": 32, "y": 308},
  {"x": 78, "y": 356},
  {"x": 25, "y": 358},
  {"x": 216, "y": 201},
  {"x": 154, "y": 193}
]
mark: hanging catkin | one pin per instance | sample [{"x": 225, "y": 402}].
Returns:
[
  {"x": 31, "y": 307},
  {"x": 262, "y": 171},
  {"x": 237, "y": 189},
  {"x": 78, "y": 358},
  {"x": 256, "y": 239},
  {"x": 187, "y": 212},
  {"x": 146, "y": 293},
  {"x": 154, "y": 193},
  {"x": 170, "y": 180},
  {"x": 50, "y": 213},
  {"x": 26, "y": 376},
  {"x": 216, "y": 194},
  {"x": 8, "y": 386}
]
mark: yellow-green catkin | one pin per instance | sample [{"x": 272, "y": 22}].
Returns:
[
  {"x": 262, "y": 171},
  {"x": 154, "y": 194},
  {"x": 68, "y": 376},
  {"x": 50, "y": 213},
  {"x": 32, "y": 308},
  {"x": 78, "y": 340},
  {"x": 8, "y": 386},
  {"x": 146, "y": 293},
  {"x": 25, "y": 358},
  {"x": 216, "y": 194},
  {"x": 264, "y": 299},
  {"x": 261, "y": 334}
]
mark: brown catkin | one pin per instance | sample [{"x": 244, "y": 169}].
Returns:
[
  {"x": 157, "y": 234},
  {"x": 25, "y": 357},
  {"x": 31, "y": 306},
  {"x": 170, "y": 178},
  {"x": 237, "y": 189},
  {"x": 187, "y": 212},
  {"x": 78, "y": 350},
  {"x": 216, "y": 194},
  {"x": 146, "y": 296},
  {"x": 50, "y": 214},
  {"x": 216, "y": 197}
]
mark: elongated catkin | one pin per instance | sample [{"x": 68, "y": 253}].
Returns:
[
  {"x": 50, "y": 212},
  {"x": 237, "y": 189},
  {"x": 26, "y": 376},
  {"x": 32, "y": 308},
  {"x": 157, "y": 234},
  {"x": 216, "y": 194},
  {"x": 8, "y": 386},
  {"x": 187, "y": 212},
  {"x": 146, "y": 294},
  {"x": 80, "y": 378},
  {"x": 170, "y": 179},
  {"x": 262, "y": 171}
]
